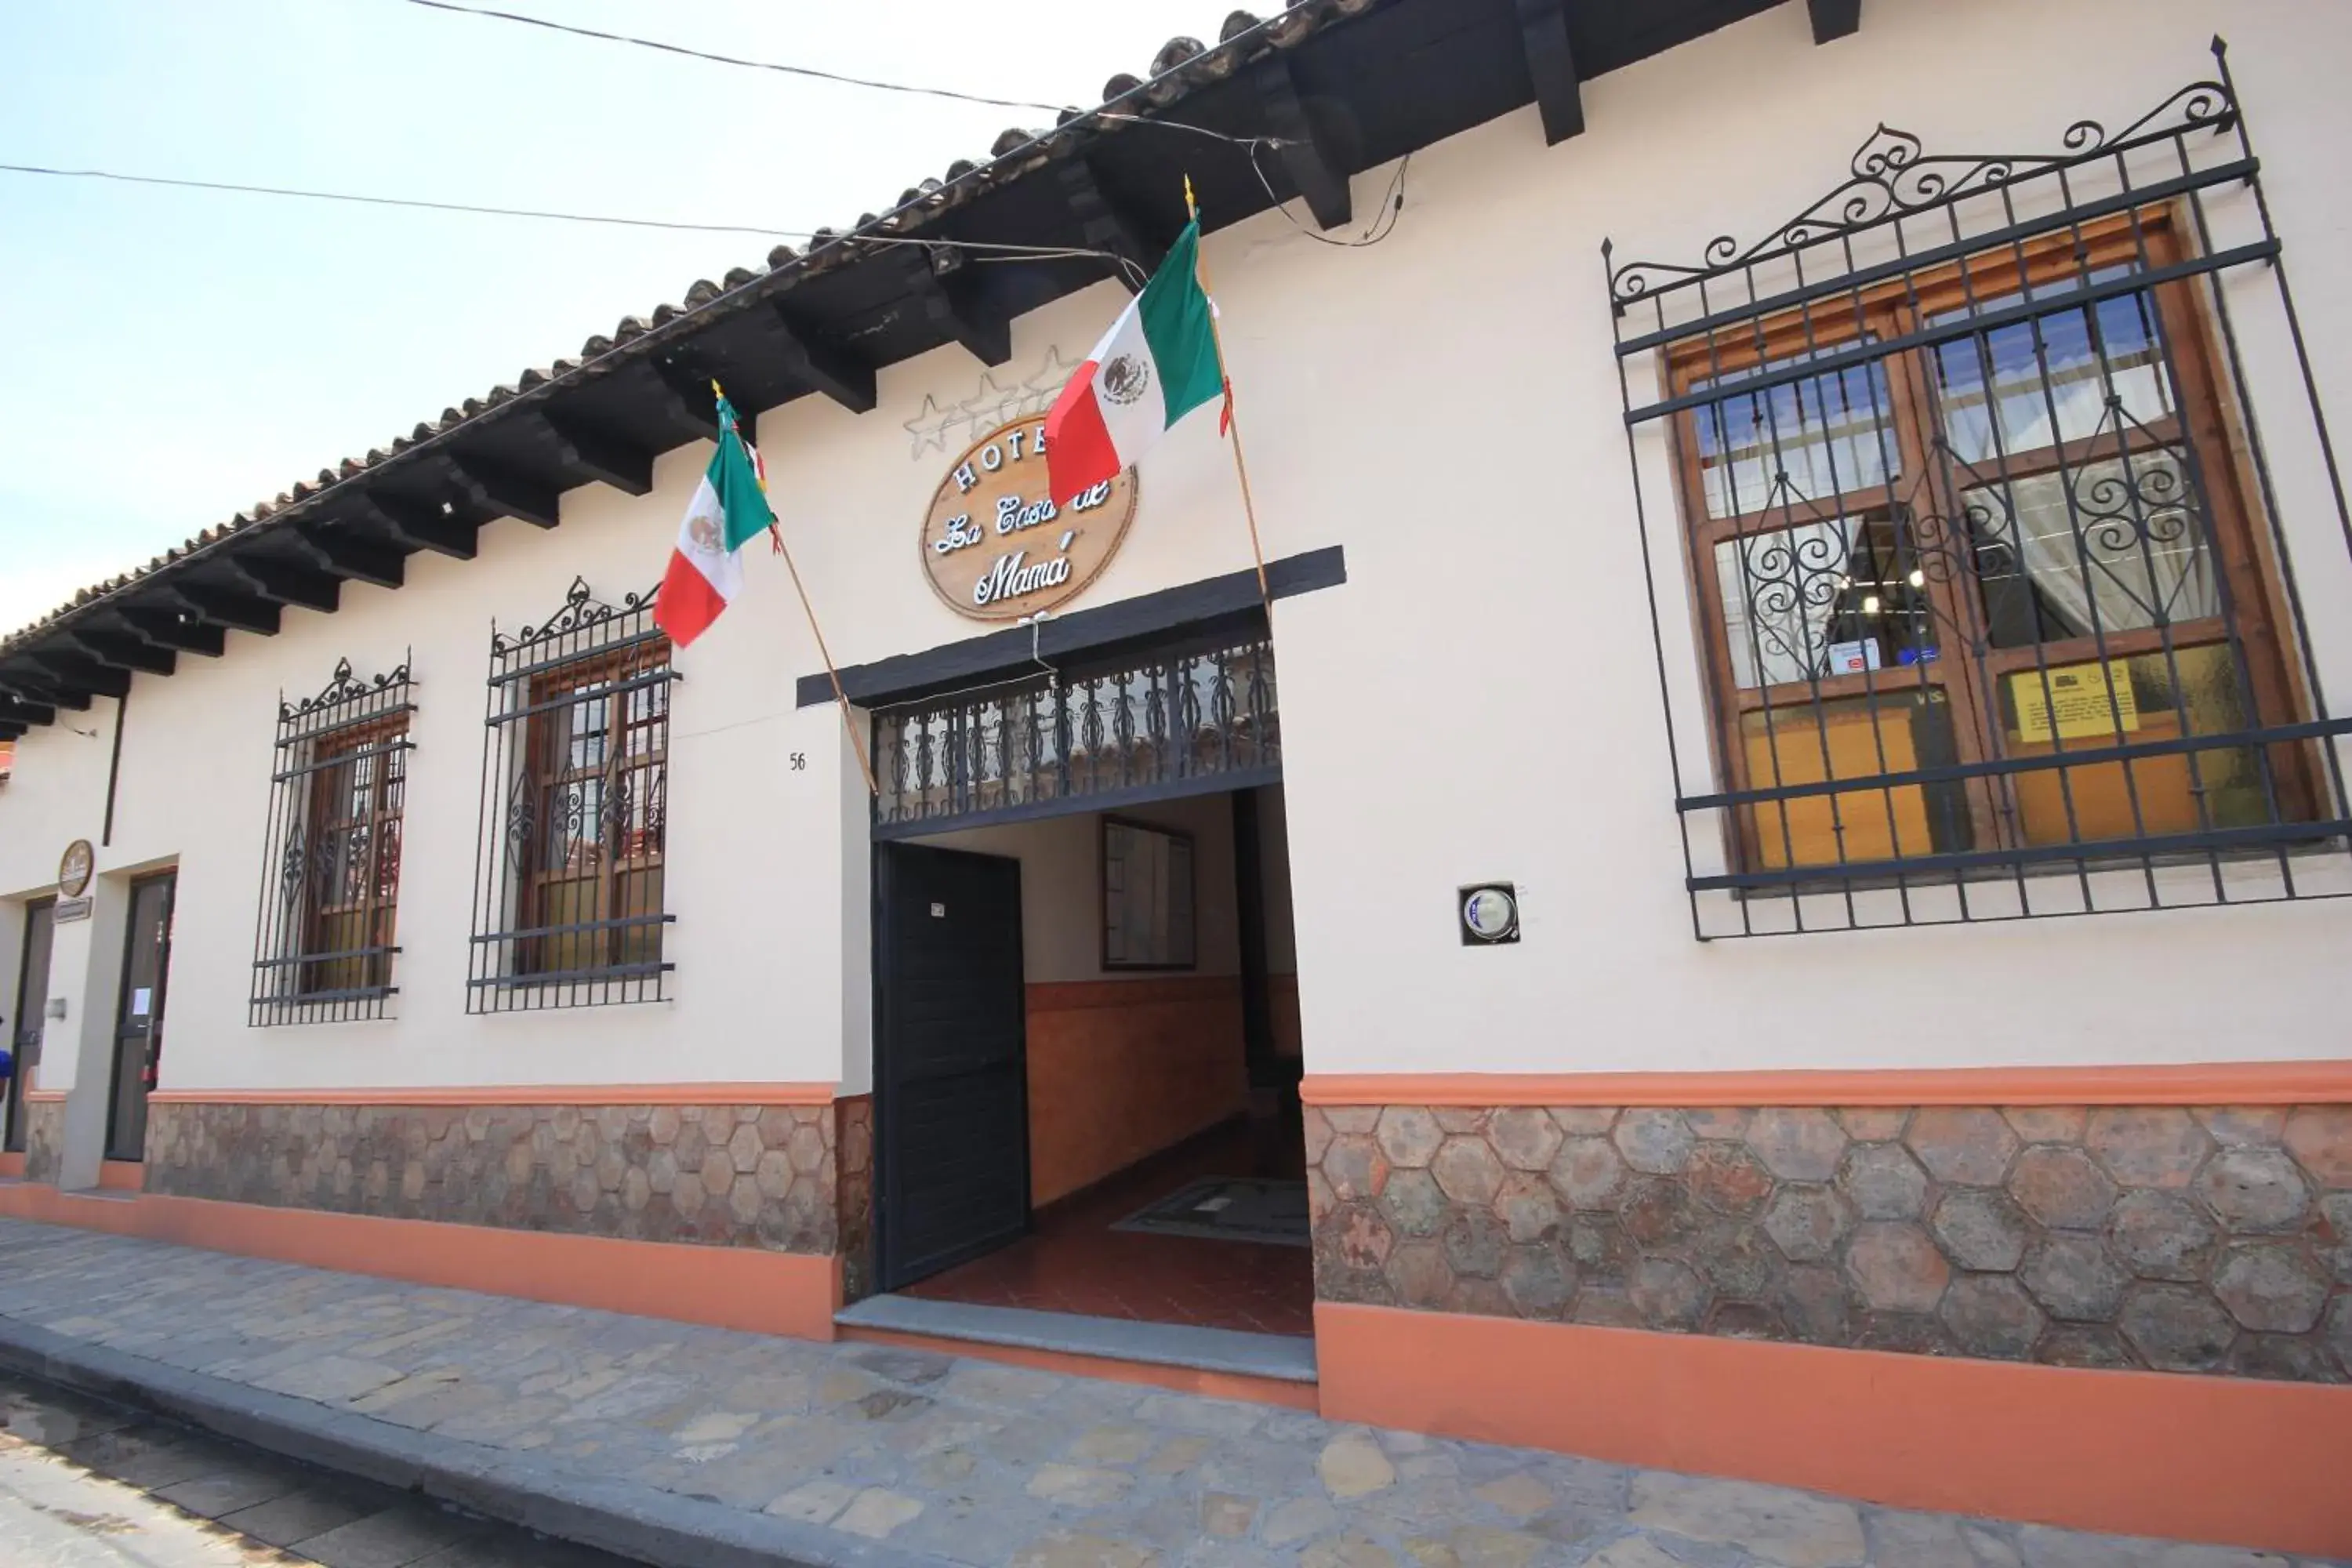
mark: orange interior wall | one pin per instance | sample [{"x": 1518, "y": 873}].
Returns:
[{"x": 1122, "y": 1068}]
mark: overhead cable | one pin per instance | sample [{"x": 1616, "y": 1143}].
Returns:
[
  {"x": 979, "y": 249},
  {"x": 810, "y": 71},
  {"x": 396, "y": 201}
]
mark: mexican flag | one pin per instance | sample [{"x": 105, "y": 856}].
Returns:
[
  {"x": 706, "y": 569},
  {"x": 1156, "y": 365}
]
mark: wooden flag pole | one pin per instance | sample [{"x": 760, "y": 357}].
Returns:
[
  {"x": 841, "y": 699},
  {"x": 1232, "y": 415}
]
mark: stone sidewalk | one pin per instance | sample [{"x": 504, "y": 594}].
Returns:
[{"x": 775, "y": 1450}]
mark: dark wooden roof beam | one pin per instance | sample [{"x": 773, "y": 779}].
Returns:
[
  {"x": 32, "y": 687},
  {"x": 589, "y": 452},
  {"x": 417, "y": 527},
  {"x": 16, "y": 710},
  {"x": 1835, "y": 19},
  {"x": 1305, "y": 156},
  {"x": 342, "y": 554},
  {"x": 822, "y": 366},
  {"x": 687, "y": 401},
  {"x": 284, "y": 581},
  {"x": 1551, "y": 66},
  {"x": 499, "y": 489},
  {"x": 227, "y": 608},
  {"x": 178, "y": 630},
  {"x": 124, "y": 652},
  {"x": 82, "y": 675},
  {"x": 951, "y": 303},
  {"x": 1105, "y": 224}
]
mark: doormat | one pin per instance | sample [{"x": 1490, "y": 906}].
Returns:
[{"x": 1228, "y": 1209}]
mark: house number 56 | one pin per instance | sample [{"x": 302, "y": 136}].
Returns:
[{"x": 799, "y": 760}]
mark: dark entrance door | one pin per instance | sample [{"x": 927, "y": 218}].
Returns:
[
  {"x": 32, "y": 1005},
  {"x": 139, "y": 1019},
  {"x": 951, "y": 1093}
]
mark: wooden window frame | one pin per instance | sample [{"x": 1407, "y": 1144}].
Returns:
[
  {"x": 378, "y": 903},
  {"x": 546, "y": 776},
  {"x": 2200, "y": 425}
]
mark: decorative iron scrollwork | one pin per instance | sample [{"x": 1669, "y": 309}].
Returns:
[
  {"x": 343, "y": 688},
  {"x": 522, "y": 825},
  {"x": 582, "y": 611},
  {"x": 1892, "y": 175}
]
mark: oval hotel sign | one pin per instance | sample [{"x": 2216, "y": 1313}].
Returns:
[{"x": 996, "y": 548}]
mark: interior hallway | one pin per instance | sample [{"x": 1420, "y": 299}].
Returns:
[{"x": 1075, "y": 1262}]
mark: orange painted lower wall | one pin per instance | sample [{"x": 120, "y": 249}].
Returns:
[
  {"x": 2238, "y": 1460},
  {"x": 723, "y": 1287},
  {"x": 1122, "y": 1068},
  {"x": 121, "y": 1175},
  {"x": 12, "y": 1165}
]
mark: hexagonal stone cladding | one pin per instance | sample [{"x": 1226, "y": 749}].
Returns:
[
  {"x": 2204, "y": 1240},
  {"x": 44, "y": 1127},
  {"x": 724, "y": 1175}
]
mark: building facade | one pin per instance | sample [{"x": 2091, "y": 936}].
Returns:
[{"x": 1882, "y": 670}]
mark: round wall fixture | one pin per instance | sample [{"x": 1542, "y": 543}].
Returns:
[
  {"x": 74, "y": 867},
  {"x": 1490, "y": 914}
]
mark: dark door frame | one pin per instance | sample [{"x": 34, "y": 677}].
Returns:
[
  {"x": 26, "y": 1039},
  {"x": 884, "y": 1176},
  {"x": 150, "y": 1038}
]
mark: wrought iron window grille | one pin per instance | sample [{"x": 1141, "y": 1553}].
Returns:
[
  {"x": 1193, "y": 718},
  {"x": 1997, "y": 615},
  {"x": 569, "y": 906},
  {"x": 323, "y": 929}
]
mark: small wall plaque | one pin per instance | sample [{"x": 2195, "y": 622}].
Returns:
[
  {"x": 1490, "y": 914},
  {"x": 68, "y": 910}
]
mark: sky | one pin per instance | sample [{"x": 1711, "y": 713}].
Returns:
[{"x": 171, "y": 357}]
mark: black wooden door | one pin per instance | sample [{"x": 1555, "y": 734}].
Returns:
[
  {"x": 32, "y": 1007},
  {"x": 139, "y": 1021},
  {"x": 951, "y": 1094}
]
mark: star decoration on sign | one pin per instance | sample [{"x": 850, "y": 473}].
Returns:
[
  {"x": 992, "y": 405},
  {"x": 1048, "y": 383},
  {"x": 929, "y": 427}
]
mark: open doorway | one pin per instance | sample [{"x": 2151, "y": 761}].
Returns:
[{"x": 1088, "y": 1060}]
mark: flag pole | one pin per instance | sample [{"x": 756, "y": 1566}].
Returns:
[
  {"x": 848, "y": 723},
  {"x": 1231, "y": 417}
]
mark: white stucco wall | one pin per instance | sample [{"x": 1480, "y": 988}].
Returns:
[
  {"x": 1061, "y": 885},
  {"x": 1475, "y": 702}
]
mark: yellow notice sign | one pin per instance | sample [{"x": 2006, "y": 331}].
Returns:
[{"x": 2090, "y": 701}]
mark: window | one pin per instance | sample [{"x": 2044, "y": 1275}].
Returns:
[
  {"x": 324, "y": 947},
  {"x": 572, "y": 904},
  {"x": 1980, "y": 539},
  {"x": 2010, "y": 543},
  {"x": 1147, "y": 896}
]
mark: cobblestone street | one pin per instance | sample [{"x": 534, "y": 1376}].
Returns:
[{"x": 889, "y": 1456}]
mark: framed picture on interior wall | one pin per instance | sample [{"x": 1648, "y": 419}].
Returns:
[{"x": 1147, "y": 896}]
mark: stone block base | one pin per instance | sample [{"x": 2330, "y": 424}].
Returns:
[
  {"x": 45, "y": 1139},
  {"x": 728, "y": 1175},
  {"x": 2211, "y": 1239}
]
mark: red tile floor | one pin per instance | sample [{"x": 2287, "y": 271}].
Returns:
[{"x": 1074, "y": 1262}]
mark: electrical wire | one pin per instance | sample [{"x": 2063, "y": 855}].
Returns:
[
  {"x": 809, "y": 72},
  {"x": 1384, "y": 221},
  {"x": 815, "y": 74},
  {"x": 980, "y": 249},
  {"x": 400, "y": 202}
]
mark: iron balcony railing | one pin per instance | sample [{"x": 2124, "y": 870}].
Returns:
[{"x": 1171, "y": 724}]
